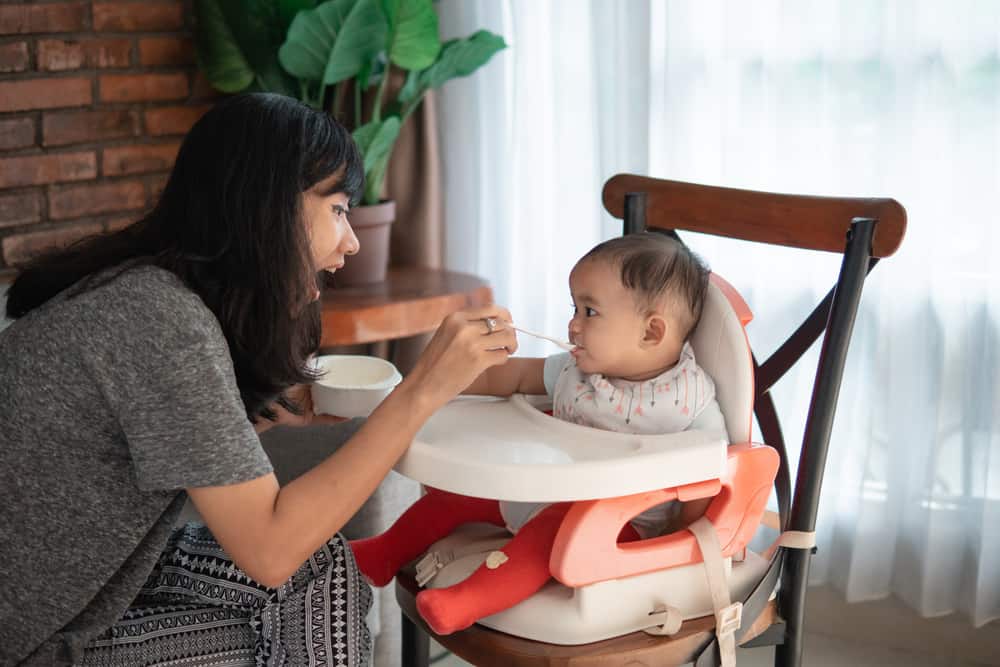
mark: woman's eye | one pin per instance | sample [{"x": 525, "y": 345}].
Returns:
[{"x": 339, "y": 210}]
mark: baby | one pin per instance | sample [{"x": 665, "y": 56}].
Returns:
[{"x": 636, "y": 300}]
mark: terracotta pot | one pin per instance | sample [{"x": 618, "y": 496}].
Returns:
[{"x": 372, "y": 225}]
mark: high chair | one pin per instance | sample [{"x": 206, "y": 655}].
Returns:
[{"x": 623, "y": 604}]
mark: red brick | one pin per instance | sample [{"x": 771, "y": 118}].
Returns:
[
  {"x": 143, "y": 87},
  {"x": 166, "y": 51},
  {"x": 138, "y": 16},
  {"x": 17, "y": 133},
  {"x": 201, "y": 89},
  {"x": 55, "y": 17},
  {"x": 14, "y": 57},
  {"x": 19, "y": 248},
  {"x": 122, "y": 160},
  {"x": 16, "y": 172},
  {"x": 78, "y": 201},
  {"x": 173, "y": 120},
  {"x": 44, "y": 94},
  {"x": 75, "y": 127},
  {"x": 20, "y": 208},
  {"x": 55, "y": 55}
]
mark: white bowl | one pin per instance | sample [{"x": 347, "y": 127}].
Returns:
[{"x": 352, "y": 385}]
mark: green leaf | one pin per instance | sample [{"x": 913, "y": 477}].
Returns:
[
  {"x": 375, "y": 141},
  {"x": 461, "y": 57},
  {"x": 237, "y": 44},
  {"x": 273, "y": 79},
  {"x": 310, "y": 38},
  {"x": 361, "y": 39},
  {"x": 218, "y": 53},
  {"x": 413, "y": 33},
  {"x": 287, "y": 9},
  {"x": 411, "y": 88},
  {"x": 334, "y": 41}
]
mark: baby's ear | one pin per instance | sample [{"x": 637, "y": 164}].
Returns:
[{"x": 655, "y": 330}]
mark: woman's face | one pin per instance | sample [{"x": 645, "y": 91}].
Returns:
[{"x": 330, "y": 235}]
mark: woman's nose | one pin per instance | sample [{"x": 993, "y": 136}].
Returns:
[{"x": 350, "y": 241}]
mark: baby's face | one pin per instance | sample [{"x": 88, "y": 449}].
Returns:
[{"x": 606, "y": 327}]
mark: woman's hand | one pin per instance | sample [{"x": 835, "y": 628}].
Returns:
[
  {"x": 466, "y": 344},
  {"x": 301, "y": 395}
]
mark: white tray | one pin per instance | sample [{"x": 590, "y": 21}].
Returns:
[{"x": 509, "y": 449}]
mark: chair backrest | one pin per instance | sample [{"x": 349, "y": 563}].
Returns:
[
  {"x": 722, "y": 349},
  {"x": 799, "y": 221}
]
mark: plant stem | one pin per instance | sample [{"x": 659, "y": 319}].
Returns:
[
  {"x": 338, "y": 97},
  {"x": 410, "y": 108},
  {"x": 357, "y": 102},
  {"x": 377, "y": 109}
]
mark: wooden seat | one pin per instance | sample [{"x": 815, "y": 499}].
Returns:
[
  {"x": 864, "y": 230},
  {"x": 484, "y": 647}
]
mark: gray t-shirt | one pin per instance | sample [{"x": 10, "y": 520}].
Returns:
[{"x": 112, "y": 402}]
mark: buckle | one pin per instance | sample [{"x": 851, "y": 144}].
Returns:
[
  {"x": 667, "y": 619},
  {"x": 427, "y": 568},
  {"x": 728, "y": 619}
]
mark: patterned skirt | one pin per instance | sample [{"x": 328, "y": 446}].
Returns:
[{"x": 197, "y": 609}]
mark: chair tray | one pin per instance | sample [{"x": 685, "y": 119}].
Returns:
[{"x": 509, "y": 449}]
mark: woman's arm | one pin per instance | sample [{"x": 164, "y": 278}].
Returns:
[
  {"x": 270, "y": 530},
  {"x": 518, "y": 376}
]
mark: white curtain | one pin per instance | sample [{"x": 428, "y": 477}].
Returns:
[{"x": 859, "y": 97}]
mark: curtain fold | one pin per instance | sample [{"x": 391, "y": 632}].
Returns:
[
  {"x": 413, "y": 179},
  {"x": 863, "y": 98}
]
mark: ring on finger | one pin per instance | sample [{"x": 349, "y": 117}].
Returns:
[{"x": 491, "y": 324}]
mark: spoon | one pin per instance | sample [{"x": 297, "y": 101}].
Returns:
[{"x": 561, "y": 343}]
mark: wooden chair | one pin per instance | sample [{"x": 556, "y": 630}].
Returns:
[{"x": 864, "y": 230}]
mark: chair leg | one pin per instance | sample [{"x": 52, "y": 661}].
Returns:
[
  {"x": 792, "y": 604},
  {"x": 416, "y": 645}
]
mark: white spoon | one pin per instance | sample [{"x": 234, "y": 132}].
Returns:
[{"x": 566, "y": 345}]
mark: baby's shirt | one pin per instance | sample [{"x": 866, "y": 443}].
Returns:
[{"x": 668, "y": 403}]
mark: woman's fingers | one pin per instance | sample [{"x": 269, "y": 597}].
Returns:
[
  {"x": 502, "y": 339},
  {"x": 492, "y": 310},
  {"x": 462, "y": 348}
]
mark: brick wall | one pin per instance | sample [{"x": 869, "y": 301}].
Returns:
[{"x": 95, "y": 97}]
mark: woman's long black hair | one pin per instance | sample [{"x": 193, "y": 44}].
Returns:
[{"x": 229, "y": 224}]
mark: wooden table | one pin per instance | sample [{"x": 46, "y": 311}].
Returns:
[{"x": 411, "y": 301}]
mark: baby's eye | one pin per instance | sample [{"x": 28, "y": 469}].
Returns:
[{"x": 589, "y": 312}]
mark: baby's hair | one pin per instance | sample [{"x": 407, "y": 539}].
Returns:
[{"x": 659, "y": 271}]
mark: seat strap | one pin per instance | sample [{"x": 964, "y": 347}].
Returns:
[
  {"x": 755, "y": 602},
  {"x": 728, "y": 614},
  {"x": 436, "y": 559},
  {"x": 792, "y": 539}
]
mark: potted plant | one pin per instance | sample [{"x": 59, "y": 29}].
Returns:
[{"x": 369, "y": 62}]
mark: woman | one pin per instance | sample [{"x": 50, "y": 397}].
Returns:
[{"x": 135, "y": 375}]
